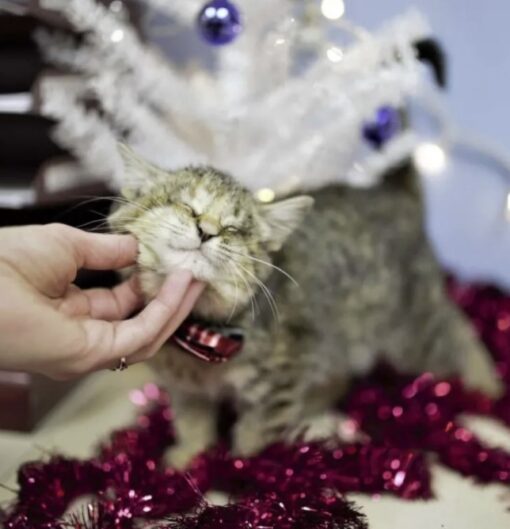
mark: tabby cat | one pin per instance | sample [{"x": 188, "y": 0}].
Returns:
[{"x": 323, "y": 287}]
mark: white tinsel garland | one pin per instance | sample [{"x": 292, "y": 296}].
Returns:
[
  {"x": 252, "y": 115},
  {"x": 183, "y": 10},
  {"x": 81, "y": 130}
]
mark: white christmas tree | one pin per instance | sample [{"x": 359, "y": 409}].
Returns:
[{"x": 282, "y": 107}]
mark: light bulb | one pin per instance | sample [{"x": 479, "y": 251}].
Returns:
[
  {"x": 333, "y": 9},
  {"x": 265, "y": 195},
  {"x": 117, "y": 35},
  {"x": 116, "y": 6},
  {"x": 430, "y": 158},
  {"x": 507, "y": 210}
]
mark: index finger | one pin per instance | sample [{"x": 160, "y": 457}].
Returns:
[{"x": 102, "y": 251}]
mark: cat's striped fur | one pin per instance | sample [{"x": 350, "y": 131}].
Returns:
[{"x": 365, "y": 285}]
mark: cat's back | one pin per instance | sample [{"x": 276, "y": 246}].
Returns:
[
  {"x": 352, "y": 232},
  {"x": 349, "y": 259}
]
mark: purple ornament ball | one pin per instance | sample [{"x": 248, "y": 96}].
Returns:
[
  {"x": 386, "y": 125},
  {"x": 219, "y": 22}
]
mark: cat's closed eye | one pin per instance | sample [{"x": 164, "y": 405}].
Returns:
[
  {"x": 232, "y": 230},
  {"x": 188, "y": 209}
]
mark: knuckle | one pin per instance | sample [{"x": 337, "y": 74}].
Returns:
[
  {"x": 147, "y": 329},
  {"x": 79, "y": 361},
  {"x": 58, "y": 228},
  {"x": 79, "y": 355}
]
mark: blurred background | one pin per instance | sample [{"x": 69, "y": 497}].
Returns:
[
  {"x": 475, "y": 36},
  {"x": 467, "y": 201}
]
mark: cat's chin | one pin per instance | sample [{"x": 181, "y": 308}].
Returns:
[
  {"x": 213, "y": 306},
  {"x": 192, "y": 260},
  {"x": 218, "y": 303}
]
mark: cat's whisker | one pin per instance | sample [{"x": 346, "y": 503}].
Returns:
[
  {"x": 235, "y": 262},
  {"x": 253, "y": 301},
  {"x": 89, "y": 199},
  {"x": 249, "y": 288},
  {"x": 157, "y": 220},
  {"x": 236, "y": 295},
  {"x": 92, "y": 225},
  {"x": 111, "y": 198},
  {"x": 265, "y": 290},
  {"x": 125, "y": 202},
  {"x": 175, "y": 230},
  {"x": 100, "y": 222},
  {"x": 266, "y": 263}
]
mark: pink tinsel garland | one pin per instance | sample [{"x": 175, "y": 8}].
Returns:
[{"x": 285, "y": 487}]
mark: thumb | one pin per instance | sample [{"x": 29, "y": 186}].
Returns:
[{"x": 109, "y": 341}]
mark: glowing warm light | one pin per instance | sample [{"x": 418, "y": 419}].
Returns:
[
  {"x": 117, "y": 35},
  {"x": 508, "y": 207},
  {"x": 333, "y": 9},
  {"x": 335, "y": 54},
  {"x": 430, "y": 158},
  {"x": 116, "y": 6},
  {"x": 265, "y": 195}
]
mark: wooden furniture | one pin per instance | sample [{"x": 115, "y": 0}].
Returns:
[{"x": 39, "y": 183}]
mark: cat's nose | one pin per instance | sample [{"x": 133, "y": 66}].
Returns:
[
  {"x": 207, "y": 228},
  {"x": 204, "y": 237}
]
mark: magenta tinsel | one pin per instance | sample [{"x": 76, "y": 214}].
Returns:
[{"x": 285, "y": 487}]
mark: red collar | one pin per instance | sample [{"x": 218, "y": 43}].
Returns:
[{"x": 208, "y": 343}]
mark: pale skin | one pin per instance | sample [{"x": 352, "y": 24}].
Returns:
[{"x": 49, "y": 326}]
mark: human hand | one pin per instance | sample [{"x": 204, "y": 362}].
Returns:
[{"x": 50, "y": 326}]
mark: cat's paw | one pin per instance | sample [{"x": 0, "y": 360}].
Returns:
[
  {"x": 248, "y": 442},
  {"x": 480, "y": 374},
  {"x": 330, "y": 425},
  {"x": 487, "y": 382},
  {"x": 180, "y": 456}
]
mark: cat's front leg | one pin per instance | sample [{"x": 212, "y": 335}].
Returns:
[
  {"x": 290, "y": 411},
  {"x": 260, "y": 427},
  {"x": 195, "y": 427},
  {"x": 274, "y": 417},
  {"x": 452, "y": 348}
]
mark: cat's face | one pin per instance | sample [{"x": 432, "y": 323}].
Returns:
[{"x": 201, "y": 220}]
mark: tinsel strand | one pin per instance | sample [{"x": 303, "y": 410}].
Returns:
[{"x": 299, "y": 486}]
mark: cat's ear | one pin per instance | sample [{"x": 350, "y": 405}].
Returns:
[
  {"x": 138, "y": 175},
  {"x": 283, "y": 218}
]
